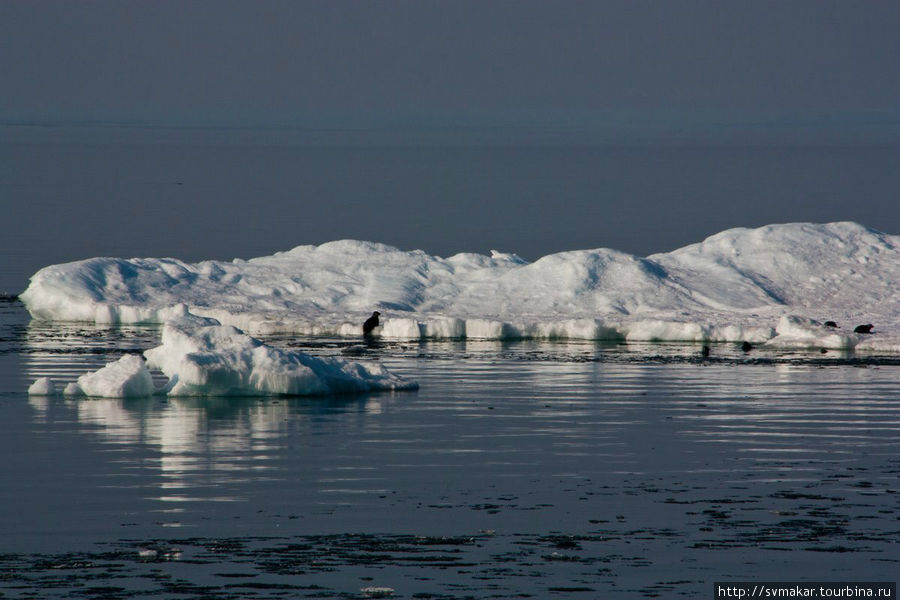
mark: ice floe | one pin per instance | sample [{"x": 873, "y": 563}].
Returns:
[
  {"x": 202, "y": 360},
  {"x": 127, "y": 377},
  {"x": 223, "y": 360},
  {"x": 42, "y": 386},
  {"x": 774, "y": 285}
]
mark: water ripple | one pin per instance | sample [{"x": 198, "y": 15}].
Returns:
[{"x": 619, "y": 476}]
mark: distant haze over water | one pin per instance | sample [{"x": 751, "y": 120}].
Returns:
[{"x": 73, "y": 192}]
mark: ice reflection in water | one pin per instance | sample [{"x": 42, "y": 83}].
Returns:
[
  {"x": 683, "y": 466},
  {"x": 208, "y": 449},
  {"x": 504, "y": 408}
]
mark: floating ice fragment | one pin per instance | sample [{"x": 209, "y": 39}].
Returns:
[
  {"x": 43, "y": 386},
  {"x": 377, "y": 592},
  {"x": 223, "y": 360},
  {"x": 127, "y": 377}
]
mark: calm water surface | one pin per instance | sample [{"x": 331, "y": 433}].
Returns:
[
  {"x": 220, "y": 194},
  {"x": 516, "y": 470}
]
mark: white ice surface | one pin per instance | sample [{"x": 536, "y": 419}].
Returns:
[
  {"x": 43, "y": 386},
  {"x": 127, "y": 377},
  {"x": 221, "y": 360},
  {"x": 775, "y": 285}
]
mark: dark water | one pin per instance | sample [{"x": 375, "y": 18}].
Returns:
[
  {"x": 516, "y": 470},
  {"x": 70, "y": 193}
]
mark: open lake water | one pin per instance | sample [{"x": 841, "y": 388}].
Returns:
[{"x": 518, "y": 469}]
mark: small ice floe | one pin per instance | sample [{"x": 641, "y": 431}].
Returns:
[
  {"x": 127, "y": 377},
  {"x": 158, "y": 553},
  {"x": 224, "y": 361},
  {"x": 42, "y": 387},
  {"x": 558, "y": 556},
  {"x": 377, "y": 592}
]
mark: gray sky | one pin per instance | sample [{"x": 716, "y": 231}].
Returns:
[{"x": 451, "y": 61}]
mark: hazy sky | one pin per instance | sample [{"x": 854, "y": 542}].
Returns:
[
  {"x": 334, "y": 61},
  {"x": 526, "y": 126}
]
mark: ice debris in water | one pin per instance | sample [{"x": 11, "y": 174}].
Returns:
[
  {"x": 222, "y": 360},
  {"x": 375, "y": 591},
  {"x": 740, "y": 284},
  {"x": 127, "y": 377},
  {"x": 43, "y": 386}
]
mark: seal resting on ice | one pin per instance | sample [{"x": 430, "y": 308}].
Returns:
[{"x": 371, "y": 323}]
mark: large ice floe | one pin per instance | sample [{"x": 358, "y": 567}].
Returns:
[{"x": 777, "y": 285}]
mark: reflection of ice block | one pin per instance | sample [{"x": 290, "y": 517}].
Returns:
[{"x": 119, "y": 424}]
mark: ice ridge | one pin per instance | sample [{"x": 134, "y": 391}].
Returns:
[{"x": 762, "y": 285}]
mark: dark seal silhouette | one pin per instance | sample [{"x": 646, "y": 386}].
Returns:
[
  {"x": 746, "y": 346},
  {"x": 863, "y": 328},
  {"x": 704, "y": 351},
  {"x": 371, "y": 323},
  {"x": 830, "y": 324}
]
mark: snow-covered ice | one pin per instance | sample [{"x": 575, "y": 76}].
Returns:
[
  {"x": 223, "y": 360},
  {"x": 42, "y": 386},
  {"x": 776, "y": 284},
  {"x": 220, "y": 360},
  {"x": 127, "y": 377}
]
